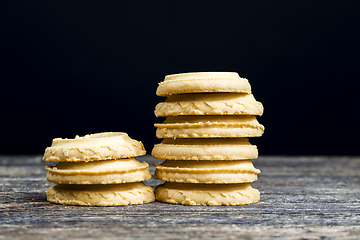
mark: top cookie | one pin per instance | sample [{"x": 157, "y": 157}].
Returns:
[
  {"x": 93, "y": 147},
  {"x": 203, "y": 82}
]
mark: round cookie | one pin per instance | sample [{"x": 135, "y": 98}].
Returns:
[
  {"x": 209, "y": 127},
  {"x": 101, "y": 195},
  {"x": 205, "y": 149},
  {"x": 94, "y": 147},
  {"x": 99, "y": 172},
  {"x": 218, "y": 172},
  {"x": 203, "y": 82},
  {"x": 209, "y": 104},
  {"x": 207, "y": 194}
]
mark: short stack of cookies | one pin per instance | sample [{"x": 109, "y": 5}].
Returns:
[
  {"x": 209, "y": 117},
  {"x": 98, "y": 170}
]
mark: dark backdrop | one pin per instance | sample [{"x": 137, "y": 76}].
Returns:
[{"x": 74, "y": 68}]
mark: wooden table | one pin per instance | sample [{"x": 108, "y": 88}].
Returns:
[{"x": 301, "y": 197}]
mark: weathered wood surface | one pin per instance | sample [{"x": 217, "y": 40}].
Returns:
[{"x": 301, "y": 197}]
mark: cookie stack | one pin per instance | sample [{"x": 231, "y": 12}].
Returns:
[
  {"x": 209, "y": 117},
  {"x": 98, "y": 170}
]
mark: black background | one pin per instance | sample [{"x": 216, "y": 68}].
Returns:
[{"x": 74, "y": 68}]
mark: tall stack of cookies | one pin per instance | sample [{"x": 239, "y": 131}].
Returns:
[
  {"x": 209, "y": 117},
  {"x": 98, "y": 170}
]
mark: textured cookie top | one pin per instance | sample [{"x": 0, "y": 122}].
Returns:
[
  {"x": 210, "y": 172},
  {"x": 203, "y": 82},
  {"x": 94, "y": 147},
  {"x": 216, "y": 189},
  {"x": 223, "y": 126},
  {"x": 208, "y": 141},
  {"x": 99, "y": 172},
  {"x": 109, "y": 166},
  {"x": 212, "y": 97},
  {"x": 105, "y": 189},
  {"x": 209, "y": 104},
  {"x": 202, "y": 75},
  {"x": 205, "y": 149},
  {"x": 207, "y": 166},
  {"x": 209, "y": 120}
]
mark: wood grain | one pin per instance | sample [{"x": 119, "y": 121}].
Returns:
[{"x": 301, "y": 197}]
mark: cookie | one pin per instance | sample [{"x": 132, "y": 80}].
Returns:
[
  {"x": 209, "y": 104},
  {"x": 203, "y": 82},
  {"x": 101, "y": 195},
  {"x": 209, "y": 127},
  {"x": 99, "y": 172},
  {"x": 205, "y": 149},
  {"x": 219, "y": 172},
  {"x": 207, "y": 194},
  {"x": 94, "y": 147}
]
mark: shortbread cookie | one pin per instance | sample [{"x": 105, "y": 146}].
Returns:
[
  {"x": 101, "y": 195},
  {"x": 219, "y": 172},
  {"x": 99, "y": 172},
  {"x": 209, "y": 104},
  {"x": 205, "y": 149},
  {"x": 209, "y": 127},
  {"x": 207, "y": 194},
  {"x": 94, "y": 147},
  {"x": 202, "y": 82}
]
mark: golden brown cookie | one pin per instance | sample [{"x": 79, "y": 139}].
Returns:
[
  {"x": 202, "y": 82},
  {"x": 207, "y": 194},
  {"x": 218, "y": 172},
  {"x": 205, "y": 149},
  {"x": 99, "y": 172},
  {"x": 209, "y": 127},
  {"x": 209, "y": 104},
  {"x": 94, "y": 147},
  {"x": 101, "y": 195}
]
